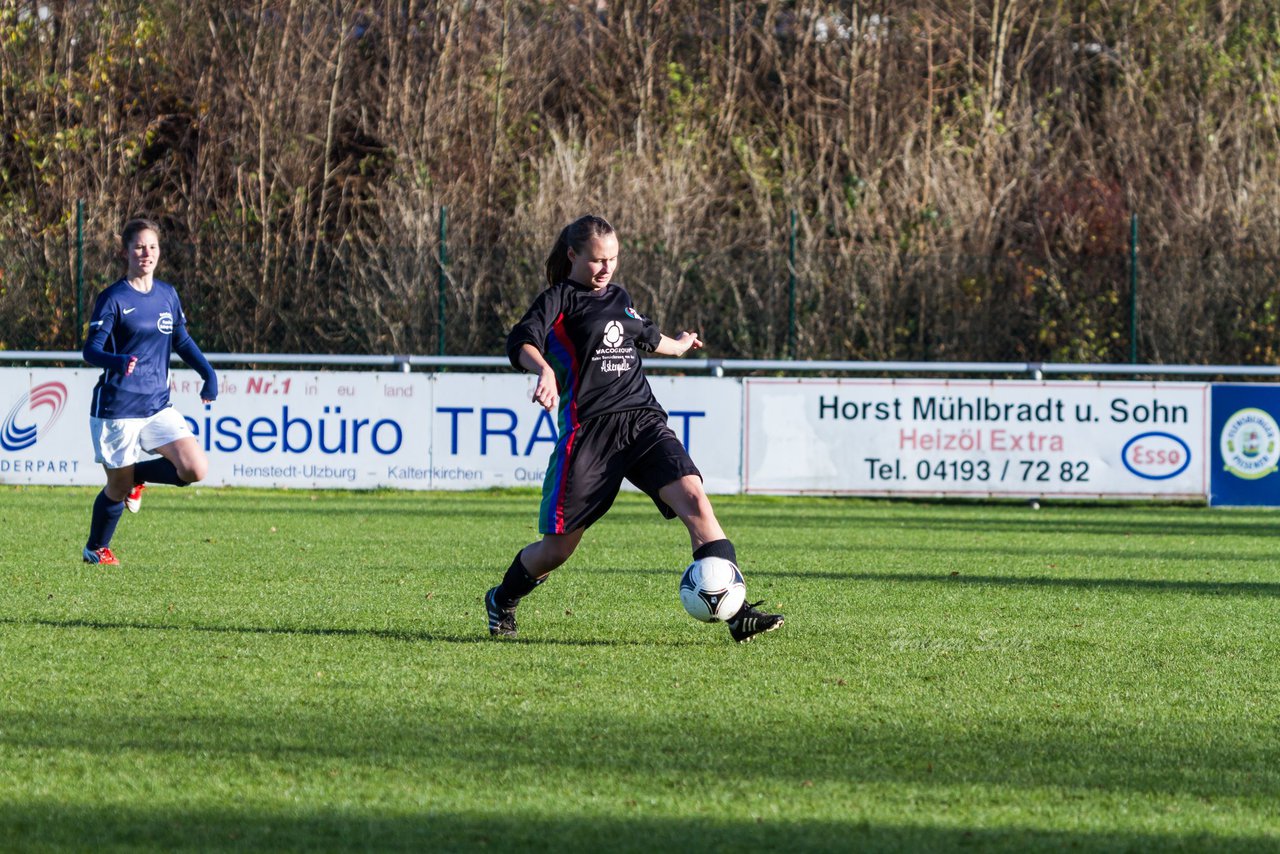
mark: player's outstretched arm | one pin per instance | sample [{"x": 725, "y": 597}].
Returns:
[{"x": 678, "y": 346}]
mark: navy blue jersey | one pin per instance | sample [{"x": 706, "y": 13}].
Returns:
[
  {"x": 127, "y": 323},
  {"x": 590, "y": 339}
]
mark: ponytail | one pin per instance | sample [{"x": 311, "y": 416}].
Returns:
[{"x": 573, "y": 236}]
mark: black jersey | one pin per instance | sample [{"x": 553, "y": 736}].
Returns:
[{"x": 590, "y": 338}]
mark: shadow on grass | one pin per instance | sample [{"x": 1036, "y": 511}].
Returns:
[
  {"x": 76, "y": 827},
  {"x": 630, "y": 739},
  {"x": 385, "y": 634},
  {"x": 800, "y": 512},
  {"x": 1204, "y": 588},
  {"x": 1031, "y": 524},
  {"x": 1049, "y": 551}
]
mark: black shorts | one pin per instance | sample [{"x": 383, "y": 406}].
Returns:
[{"x": 588, "y": 465}]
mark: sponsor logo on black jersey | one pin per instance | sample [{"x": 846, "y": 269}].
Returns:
[{"x": 612, "y": 333}]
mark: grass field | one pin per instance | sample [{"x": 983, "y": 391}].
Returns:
[{"x": 310, "y": 671}]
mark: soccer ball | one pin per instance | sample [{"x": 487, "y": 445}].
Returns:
[{"x": 712, "y": 589}]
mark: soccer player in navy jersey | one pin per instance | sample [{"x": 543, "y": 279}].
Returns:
[
  {"x": 136, "y": 323},
  {"x": 581, "y": 337}
]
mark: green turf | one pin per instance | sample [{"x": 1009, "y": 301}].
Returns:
[{"x": 310, "y": 671}]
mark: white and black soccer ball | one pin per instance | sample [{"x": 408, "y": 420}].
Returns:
[{"x": 712, "y": 589}]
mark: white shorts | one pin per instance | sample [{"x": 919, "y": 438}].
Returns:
[{"x": 120, "y": 442}]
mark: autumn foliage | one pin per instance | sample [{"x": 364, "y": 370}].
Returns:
[{"x": 963, "y": 177}]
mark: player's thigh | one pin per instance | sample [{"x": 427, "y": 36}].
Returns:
[
  {"x": 666, "y": 473},
  {"x": 168, "y": 434},
  {"x": 165, "y": 428},
  {"x": 187, "y": 457},
  {"x": 583, "y": 478}
]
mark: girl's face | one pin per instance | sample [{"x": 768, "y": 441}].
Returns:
[
  {"x": 142, "y": 253},
  {"x": 594, "y": 265}
]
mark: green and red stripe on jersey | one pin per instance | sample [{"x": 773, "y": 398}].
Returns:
[{"x": 564, "y": 360}]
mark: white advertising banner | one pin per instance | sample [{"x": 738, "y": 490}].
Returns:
[
  {"x": 488, "y": 432},
  {"x": 291, "y": 429},
  {"x": 45, "y": 434},
  {"x": 311, "y": 429},
  {"x": 350, "y": 430},
  {"x": 975, "y": 438}
]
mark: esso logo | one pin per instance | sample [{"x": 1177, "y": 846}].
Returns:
[{"x": 1156, "y": 456}]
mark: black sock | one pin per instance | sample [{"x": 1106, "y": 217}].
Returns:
[
  {"x": 157, "y": 471},
  {"x": 102, "y": 525},
  {"x": 717, "y": 548},
  {"x": 516, "y": 584}
]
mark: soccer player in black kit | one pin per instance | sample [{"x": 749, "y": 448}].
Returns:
[{"x": 581, "y": 337}]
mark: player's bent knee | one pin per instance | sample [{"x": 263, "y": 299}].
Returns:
[
  {"x": 194, "y": 472},
  {"x": 692, "y": 503}
]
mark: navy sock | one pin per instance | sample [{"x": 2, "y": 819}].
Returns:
[
  {"x": 157, "y": 471},
  {"x": 102, "y": 525},
  {"x": 717, "y": 548},
  {"x": 516, "y": 584}
]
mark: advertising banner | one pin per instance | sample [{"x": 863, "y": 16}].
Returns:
[
  {"x": 311, "y": 429},
  {"x": 350, "y": 430},
  {"x": 1244, "y": 440},
  {"x": 975, "y": 438},
  {"x": 45, "y": 434},
  {"x": 488, "y": 432},
  {"x": 291, "y": 429}
]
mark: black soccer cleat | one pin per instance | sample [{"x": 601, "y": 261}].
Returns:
[
  {"x": 749, "y": 622},
  {"x": 502, "y": 621}
]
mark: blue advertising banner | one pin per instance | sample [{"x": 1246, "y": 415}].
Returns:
[{"x": 1244, "y": 439}]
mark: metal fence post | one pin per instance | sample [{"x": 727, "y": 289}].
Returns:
[
  {"x": 1133, "y": 289},
  {"x": 79, "y": 270},
  {"x": 791, "y": 289},
  {"x": 442, "y": 279}
]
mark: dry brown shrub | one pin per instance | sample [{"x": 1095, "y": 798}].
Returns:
[{"x": 962, "y": 176}]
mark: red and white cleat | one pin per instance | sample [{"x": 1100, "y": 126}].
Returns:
[
  {"x": 133, "y": 501},
  {"x": 102, "y": 555}
]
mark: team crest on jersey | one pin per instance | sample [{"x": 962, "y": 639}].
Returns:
[
  {"x": 632, "y": 313},
  {"x": 612, "y": 333},
  {"x": 165, "y": 322},
  {"x": 1248, "y": 444}
]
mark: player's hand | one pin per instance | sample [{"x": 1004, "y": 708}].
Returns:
[
  {"x": 133, "y": 363},
  {"x": 688, "y": 341},
  {"x": 544, "y": 393}
]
